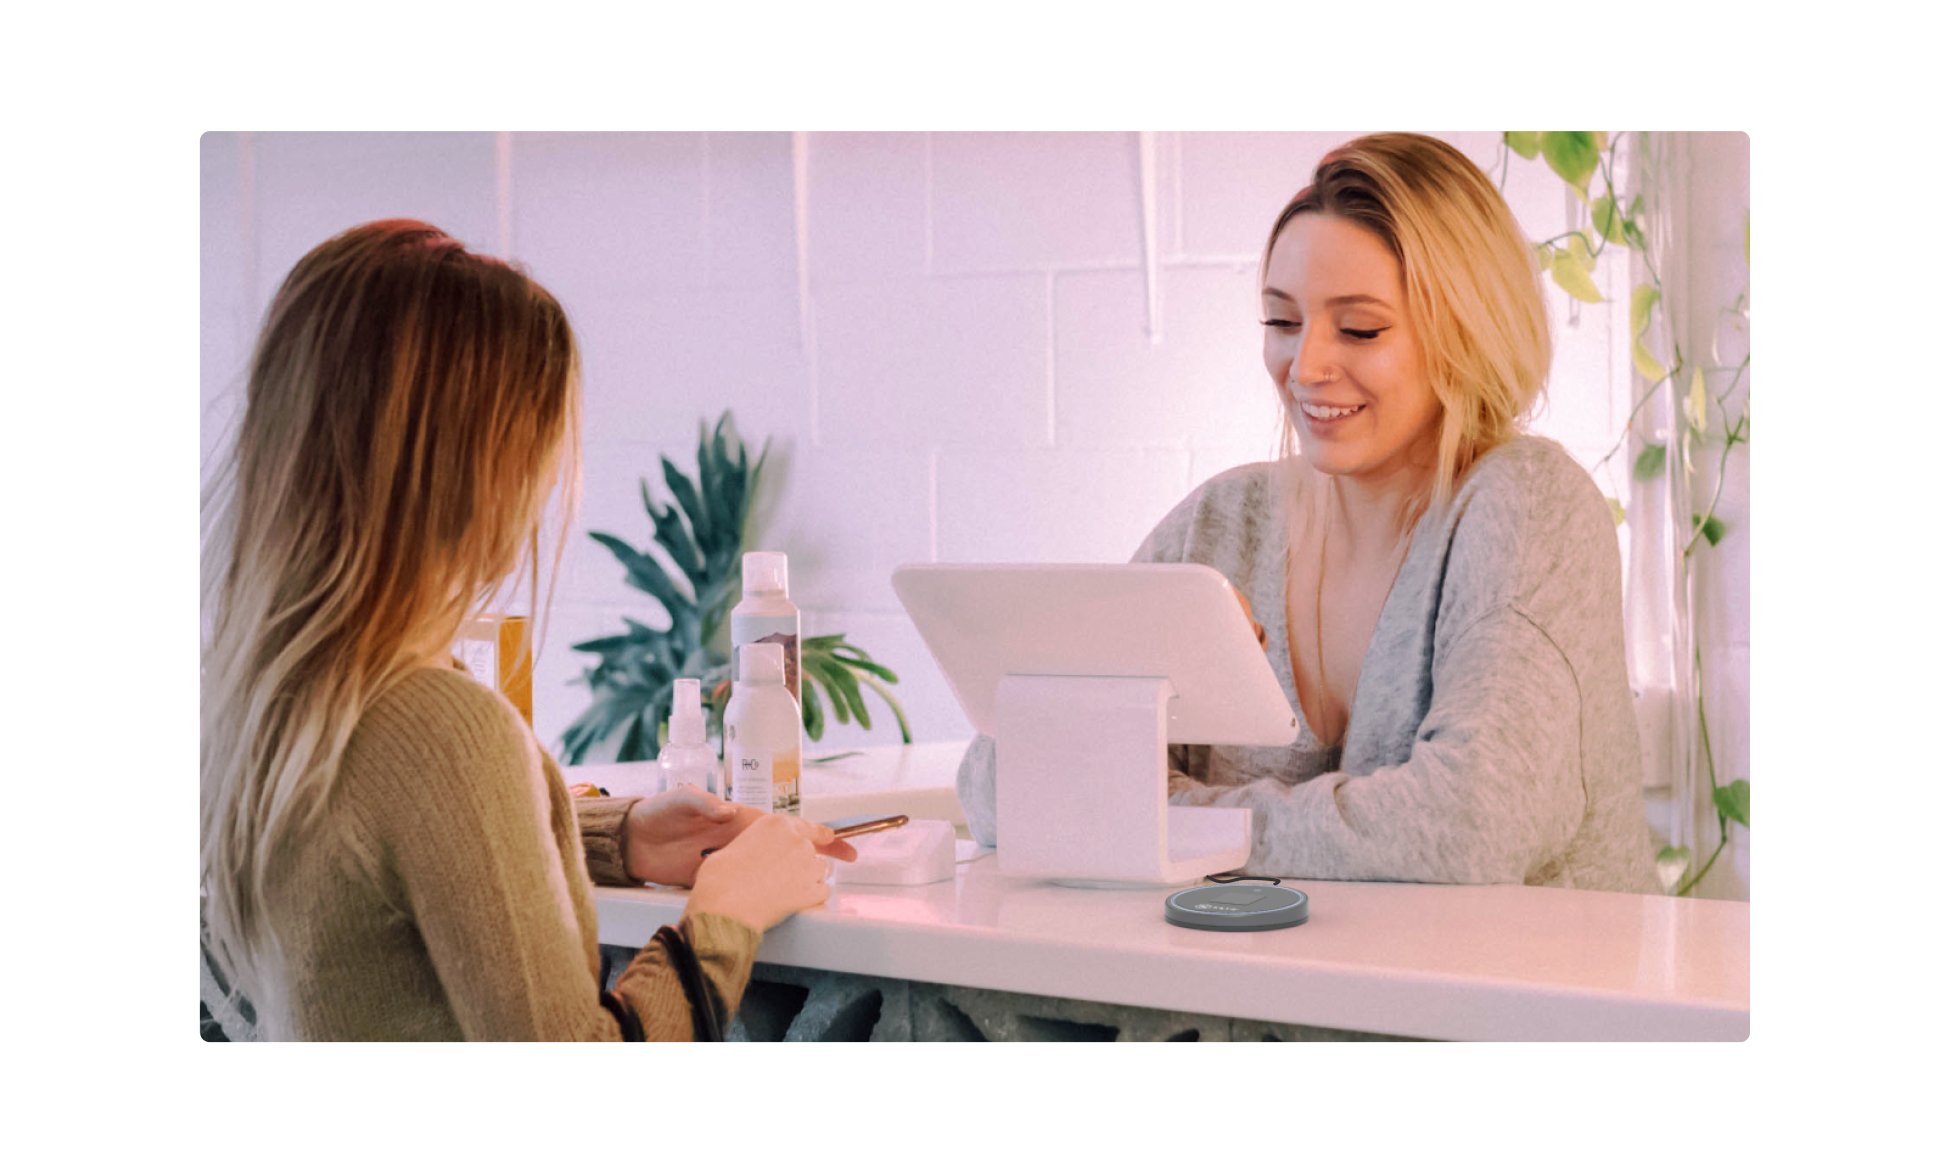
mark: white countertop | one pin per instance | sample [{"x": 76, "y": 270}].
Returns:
[
  {"x": 1497, "y": 962},
  {"x": 917, "y": 781}
]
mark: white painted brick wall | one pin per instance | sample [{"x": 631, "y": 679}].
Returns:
[
  {"x": 311, "y": 186},
  {"x": 1035, "y": 201},
  {"x": 934, "y": 361},
  {"x": 1201, "y": 383},
  {"x": 223, "y": 286},
  {"x": 978, "y": 383},
  {"x": 867, "y": 200}
]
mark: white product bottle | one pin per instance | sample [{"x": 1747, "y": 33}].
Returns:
[
  {"x": 761, "y": 733},
  {"x": 765, "y": 614},
  {"x": 685, "y": 760}
]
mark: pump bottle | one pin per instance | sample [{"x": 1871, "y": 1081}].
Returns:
[
  {"x": 761, "y": 733},
  {"x": 766, "y": 615},
  {"x": 685, "y": 759}
]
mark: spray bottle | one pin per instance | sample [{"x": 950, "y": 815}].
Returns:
[
  {"x": 766, "y": 614},
  {"x": 685, "y": 759},
  {"x": 761, "y": 732}
]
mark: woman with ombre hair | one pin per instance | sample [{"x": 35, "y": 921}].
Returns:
[
  {"x": 1440, "y": 593},
  {"x": 386, "y": 851}
]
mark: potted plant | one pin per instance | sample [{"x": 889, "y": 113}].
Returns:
[{"x": 702, "y": 535}]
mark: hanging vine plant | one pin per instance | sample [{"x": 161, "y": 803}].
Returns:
[{"x": 1609, "y": 220}]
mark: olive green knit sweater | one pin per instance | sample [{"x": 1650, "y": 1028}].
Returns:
[{"x": 444, "y": 894}]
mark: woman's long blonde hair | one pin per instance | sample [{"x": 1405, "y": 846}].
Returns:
[
  {"x": 1474, "y": 294},
  {"x": 410, "y": 407}
]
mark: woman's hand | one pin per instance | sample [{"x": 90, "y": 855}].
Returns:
[
  {"x": 665, "y": 836},
  {"x": 771, "y": 871},
  {"x": 1258, "y": 632}
]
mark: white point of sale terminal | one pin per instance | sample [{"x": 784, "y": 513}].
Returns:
[{"x": 1083, "y": 674}]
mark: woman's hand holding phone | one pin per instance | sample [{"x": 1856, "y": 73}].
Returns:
[{"x": 773, "y": 869}]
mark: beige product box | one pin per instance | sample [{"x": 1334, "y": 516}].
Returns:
[{"x": 495, "y": 650}]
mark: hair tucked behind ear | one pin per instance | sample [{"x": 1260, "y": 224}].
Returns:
[
  {"x": 410, "y": 408},
  {"x": 1474, "y": 294}
]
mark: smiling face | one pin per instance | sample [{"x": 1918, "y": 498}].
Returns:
[{"x": 1343, "y": 354}]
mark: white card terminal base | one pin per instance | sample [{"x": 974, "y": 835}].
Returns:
[
  {"x": 920, "y": 853},
  {"x": 1082, "y": 673},
  {"x": 1081, "y": 785}
]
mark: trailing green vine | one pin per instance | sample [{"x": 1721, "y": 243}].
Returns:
[{"x": 1570, "y": 257}]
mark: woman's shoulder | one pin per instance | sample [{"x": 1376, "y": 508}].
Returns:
[
  {"x": 1530, "y": 485},
  {"x": 438, "y": 722},
  {"x": 1526, "y": 515},
  {"x": 1533, "y": 470},
  {"x": 440, "y": 703},
  {"x": 1227, "y": 509}
]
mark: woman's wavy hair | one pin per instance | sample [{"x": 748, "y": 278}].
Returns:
[
  {"x": 410, "y": 408},
  {"x": 1474, "y": 294}
]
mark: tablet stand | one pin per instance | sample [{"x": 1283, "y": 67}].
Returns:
[{"x": 1081, "y": 784}]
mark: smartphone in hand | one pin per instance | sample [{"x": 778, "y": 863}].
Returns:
[{"x": 885, "y": 823}]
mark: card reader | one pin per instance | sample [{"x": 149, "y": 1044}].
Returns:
[{"x": 1236, "y": 907}]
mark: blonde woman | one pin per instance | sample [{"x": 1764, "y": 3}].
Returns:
[
  {"x": 386, "y": 852},
  {"x": 1440, "y": 593}
]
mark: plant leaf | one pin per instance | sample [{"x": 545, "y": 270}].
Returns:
[
  {"x": 867, "y": 666},
  {"x": 812, "y": 713},
  {"x": 1573, "y": 154},
  {"x": 1671, "y": 866},
  {"x": 1571, "y": 276},
  {"x": 850, "y": 686},
  {"x": 711, "y": 476},
  {"x": 1732, "y": 801},
  {"x": 1644, "y": 297},
  {"x": 1608, "y": 219},
  {"x": 604, "y": 644},
  {"x": 1617, "y": 511},
  {"x": 676, "y": 539},
  {"x": 1651, "y": 463},
  {"x": 1580, "y": 247},
  {"x": 843, "y": 687},
  {"x": 1710, "y": 528},
  {"x": 632, "y": 748},
  {"x": 682, "y": 489},
  {"x": 729, "y": 500},
  {"x": 813, "y": 679},
  {"x": 643, "y": 573},
  {"x": 1523, "y": 142},
  {"x": 1645, "y": 364},
  {"x": 900, "y": 715}
]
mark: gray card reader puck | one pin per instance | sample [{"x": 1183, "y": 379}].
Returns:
[{"x": 1236, "y": 907}]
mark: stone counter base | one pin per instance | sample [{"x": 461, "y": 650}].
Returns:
[{"x": 792, "y": 1004}]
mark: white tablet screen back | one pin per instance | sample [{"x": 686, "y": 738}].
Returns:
[{"x": 1178, "y": 621}]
